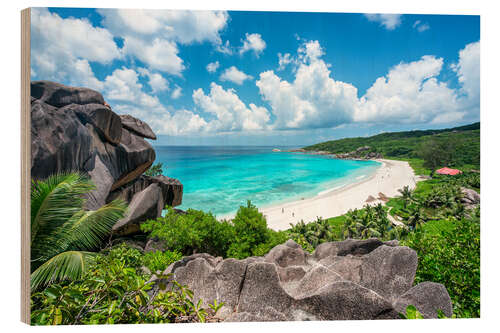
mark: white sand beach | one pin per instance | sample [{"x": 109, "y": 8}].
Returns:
[{"x": 387, "y": 179}]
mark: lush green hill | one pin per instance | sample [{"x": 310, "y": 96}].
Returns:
[{"x": 406, "y": 145}]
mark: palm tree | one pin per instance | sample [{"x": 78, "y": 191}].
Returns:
[
  {"x": 406, "y": 195},
  {"x": 62, "y": 233},
  {"x": 416, "y": 218},
  {"x": 368, "y": 226},
  {"x": 351, "y": 224}
]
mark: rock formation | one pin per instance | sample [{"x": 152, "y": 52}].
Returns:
[
  {"x": 352, "y": 279},
  {"x": 74, "y": 129},
  {"x": 360, "y": 153},
  {"x": 470, "y": 198}
]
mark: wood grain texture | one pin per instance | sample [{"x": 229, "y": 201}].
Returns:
[{"x": 25, "y": 163}]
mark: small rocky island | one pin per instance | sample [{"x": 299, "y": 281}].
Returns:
[{"x": 361, "y": 153}]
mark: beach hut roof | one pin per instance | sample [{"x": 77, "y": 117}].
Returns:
[{"x": 448, "y": 171}]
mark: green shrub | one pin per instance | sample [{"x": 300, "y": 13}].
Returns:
[
  {"x": 250, "y": 229},
  {"x": 155, "y": 170},
  {"x": 160, "y": 260},
  {"x": 193, "y": 232},
  {"x": 451, "y": 257}
]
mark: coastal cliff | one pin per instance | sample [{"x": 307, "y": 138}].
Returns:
[{"x": 74, "y": 129}]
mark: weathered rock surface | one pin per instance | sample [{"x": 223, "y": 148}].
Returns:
[
  {"x": 74, "y": 129},
  {"x": 426, "y": 297},
  {"x": 470, "y": 198},
  {"x": 353, "y": 279},
  {"x": 144, "y": 205},
  {"x": 137, "y": 126}
]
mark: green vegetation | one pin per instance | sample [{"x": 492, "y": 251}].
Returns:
[
  {"x": 62, "y": 233},
  {"x": 451, "y": 256},
  {"x": 460, "y": 144},
  {"x": 113, "y": 291},
  {"x": 155, "y": 170},
  {"x": 197, "y": 231}
]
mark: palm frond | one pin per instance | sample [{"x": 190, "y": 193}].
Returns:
[
  {"x": 87, "y": 229},
  {"x": 70, "y": 265},
  {"x": 56, "y": 199}
]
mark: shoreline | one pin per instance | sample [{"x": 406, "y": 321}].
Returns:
[{"x": 386, "y": 180}]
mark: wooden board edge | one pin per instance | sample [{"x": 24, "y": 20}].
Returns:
[{"x": 25, "y": 163}]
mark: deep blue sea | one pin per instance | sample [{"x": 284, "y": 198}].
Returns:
[{"x": 221, "y": 178}]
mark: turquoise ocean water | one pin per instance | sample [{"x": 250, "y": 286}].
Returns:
[{"x": 220, "y": 179}]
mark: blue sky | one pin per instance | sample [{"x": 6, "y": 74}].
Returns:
[{"x": 276, "y": 78}]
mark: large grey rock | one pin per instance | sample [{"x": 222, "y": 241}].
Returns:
[
  {"x": 74, "y": 130},
  {"x": 104, "y": 120},
  {"x": 144, "y": 205},
  {"x": 470, "y": 198},
  {"x": 428, "y": 298},
  {"x": 137, "y": 126},
  {"x": 389, "y": 271},
  {"x": 58, "y": 95},
  {"x": 286, "y": 254},
  {"x": 345, "y": 300},
  {"x": 171, "y": 188},
  {"x": 59, "y": 141},
  {"x": 364, "y": 281},
  {"x": 103, "y": 180},
  {"x": 348, "y": 246}
]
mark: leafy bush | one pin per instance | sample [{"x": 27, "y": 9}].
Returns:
[
  {"x": 193, "y": 232},
  {"x": 113, "y": 291},
  {"x": 452, "y": 258},
  {"x": 197, "y": 231},
  {"x": 155, "y": 170},
  {"x": 250, "y": 228},
  {"x": 160, "y": 260}
]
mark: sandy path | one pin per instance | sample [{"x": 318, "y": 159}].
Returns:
[{"x": 387, "y": 179}]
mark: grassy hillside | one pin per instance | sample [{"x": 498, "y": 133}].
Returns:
[{"x": 406, "y": 145}]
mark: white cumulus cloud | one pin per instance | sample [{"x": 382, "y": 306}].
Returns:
[
  {"x": 231, "y": 114},
  {"x": 410, "y": 93},
  {"x": 234, "y": 75},
  {"x": 389, "y": 21},
  {"x": 421, "y": 26},
  {"x": 284, "y": 60},
  {"x": 177, "y": 92},
  {"x": 62, "y": 49},
  {"x": 253, "y": 42},
  {"x": 212, "y": 67},
  {"x": 313, "y": 99},
  {"x": 183, "y": 26},
  {"x": 152, "y": 35},
  {"x": 468, "y": 71},
  {"x": 155, "y": 80}
]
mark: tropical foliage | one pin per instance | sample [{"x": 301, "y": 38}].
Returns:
[
  {"x": 197, "y": 231},
  {"x": 114, "y": 290},
  {"x": 62, "y": 232},
  {"x": 452, "y": 257},
  {"x": 155, "y": 170}
]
